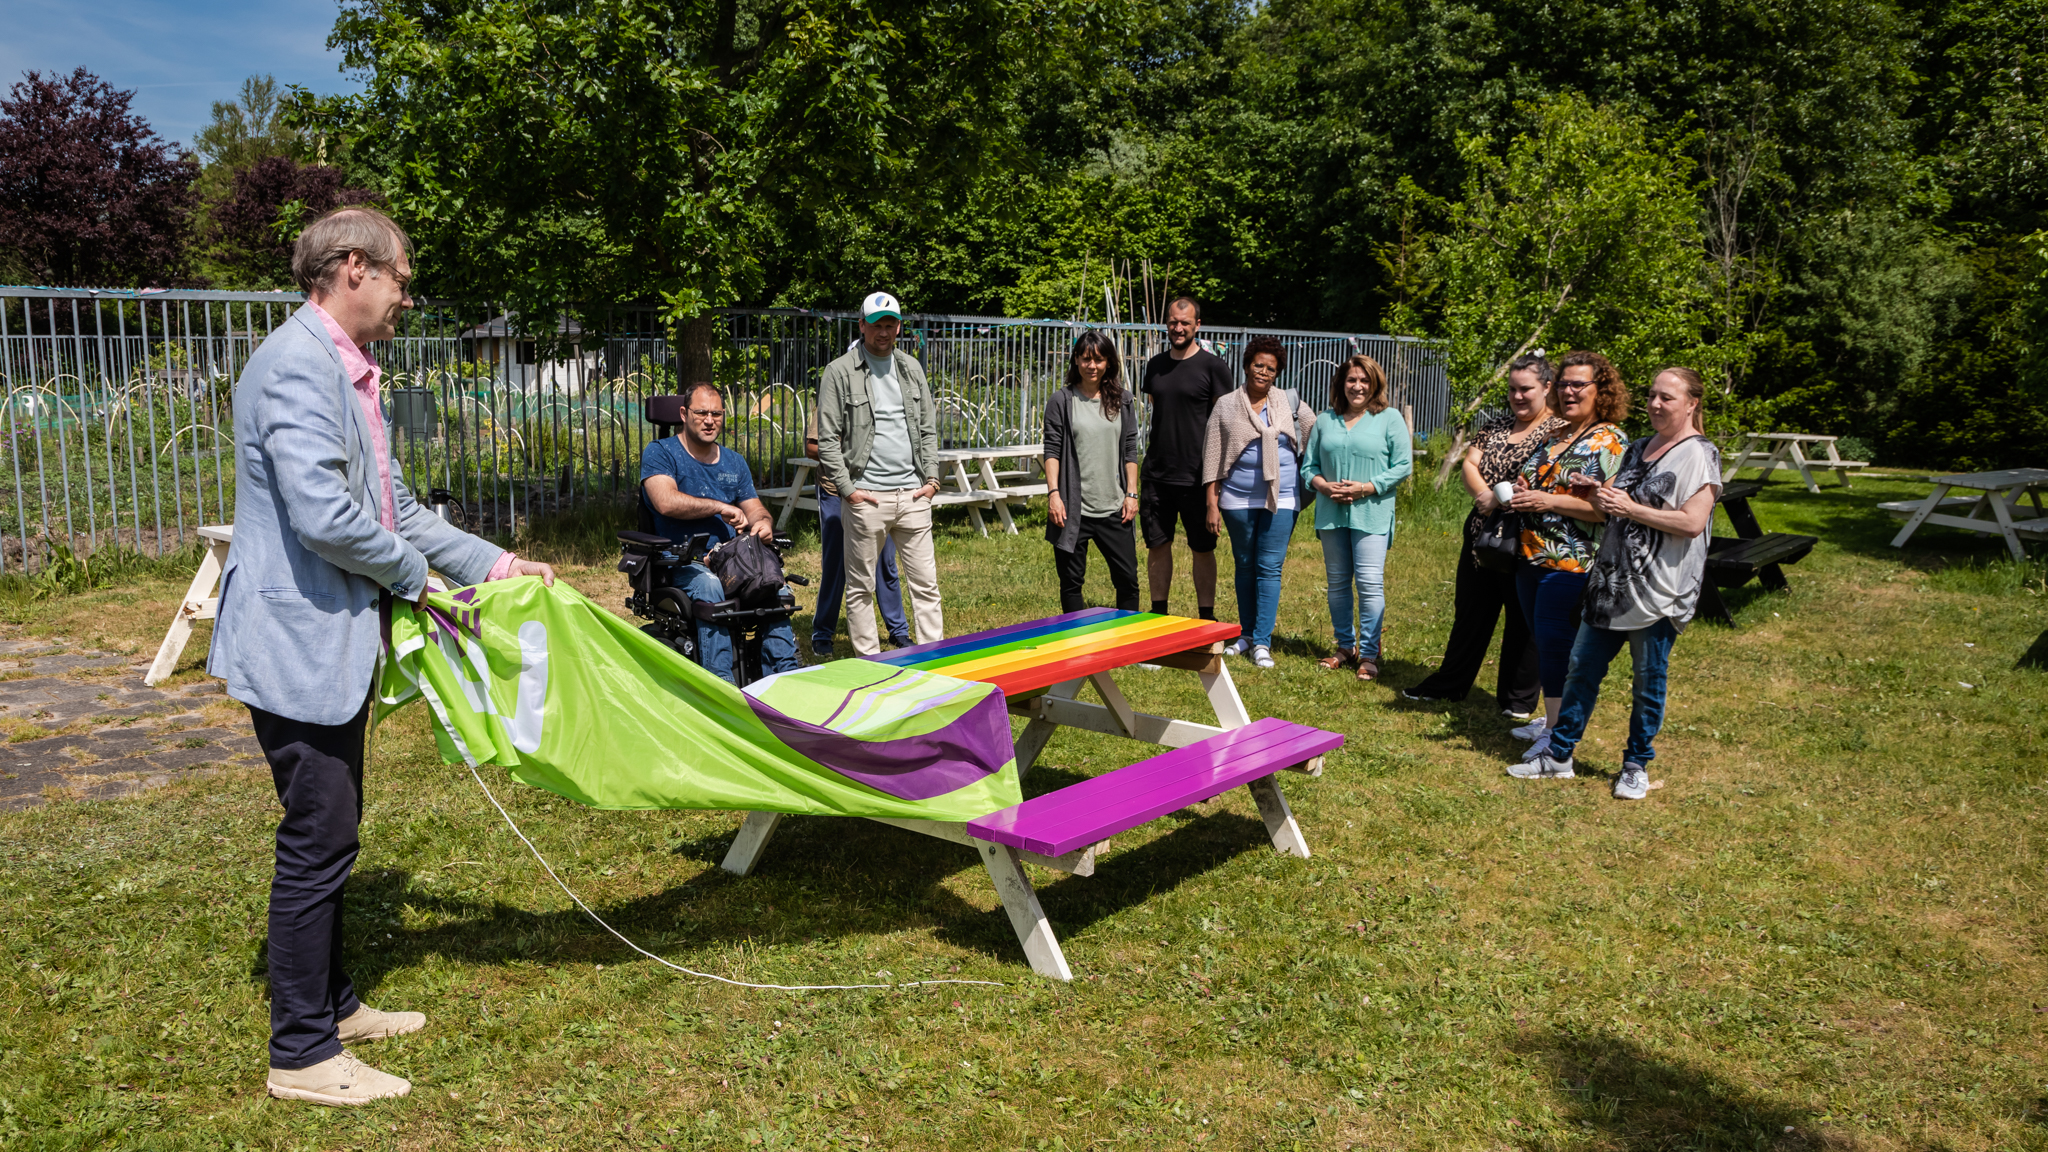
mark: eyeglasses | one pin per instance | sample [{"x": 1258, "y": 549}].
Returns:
[
  {"x": 708, "y": 413},
  {"x": 404, "y": 278},
  {"x": 1576, "y": 385}
]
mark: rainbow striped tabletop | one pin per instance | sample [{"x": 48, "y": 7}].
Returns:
[{"x": 1029, "y": 657}]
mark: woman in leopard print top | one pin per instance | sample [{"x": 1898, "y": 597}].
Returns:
[{"x": 1504, "y": 443}]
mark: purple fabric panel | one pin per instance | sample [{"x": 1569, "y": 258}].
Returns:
[{"x": 968, "y": 750}]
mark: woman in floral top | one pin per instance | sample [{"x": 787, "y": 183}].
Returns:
[{"x": 1554, "y": 494}]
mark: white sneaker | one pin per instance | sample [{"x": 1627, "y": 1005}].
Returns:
[
  {"x": 1542, "y": 768},
  {"x": 343, "y": 1081},
  {"x": 1633, "y": 783},
  {"x": 1262, "y": 656},
  {"x": 366, "y": 1023},
  {"x": 1533, "y": 730},
  {"x": 1540, "y": 748}
]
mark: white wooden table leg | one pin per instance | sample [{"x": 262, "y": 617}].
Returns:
[
  {"x": 1835, "y": 461},
  {"x": 1032, "y": 740},
  {"x": 988, "y": 477},
  {"x": 1800, "y": 462},
  {"x": 1041, "y": 947},
  {"x": 1920, "y": 516},
  {"x": 1774, "y": 461},
  {"x": 2000, "y": 509},
  {"x": 1741, "y": 458},
  {"x": 199, "y": 604},
  {"x": 1113, "y": 697},
  {"x": 796, "y": 491},
  {"x": 1279, "y": 818},
  {"x": 1222, "y": 693},
  {"x": 752, "y": 841},
  {"x": 966, "y": 488}
]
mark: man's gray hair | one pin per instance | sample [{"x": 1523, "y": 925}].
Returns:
[{"x": 325, "y": 244}]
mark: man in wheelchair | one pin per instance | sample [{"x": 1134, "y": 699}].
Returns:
[{"x": 696, "y": 487}]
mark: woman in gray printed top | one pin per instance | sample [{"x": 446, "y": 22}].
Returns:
[
  {"x": 1091, "y": 472},
  {"x": 1645, "y": 582}
]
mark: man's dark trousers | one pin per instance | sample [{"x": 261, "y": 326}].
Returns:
[
  {"x": 832, "y": 579},
  {"x": 318, "y": 770}
]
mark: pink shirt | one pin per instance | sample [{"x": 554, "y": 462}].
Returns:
[{"x": 364, "y": 375}]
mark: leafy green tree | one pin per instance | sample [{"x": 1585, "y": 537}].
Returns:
[
  {"x": 1581, "y": 233},
  {"x": 587, "y": 151}
]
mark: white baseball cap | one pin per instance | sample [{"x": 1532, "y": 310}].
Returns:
[{"x": 878, "y": 305}]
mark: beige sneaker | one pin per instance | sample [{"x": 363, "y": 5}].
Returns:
[
  {"x": 343, "y": 1081},
  {"x": 369, "y": 1024}
]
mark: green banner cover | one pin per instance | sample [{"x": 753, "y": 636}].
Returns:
[{"x": 574, "y": 699}]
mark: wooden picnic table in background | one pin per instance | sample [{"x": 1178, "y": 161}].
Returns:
[
  {"x": 969, "y": 478},
  {"x": 1788, "y": 454},
  {"x": 1998, "y": 493}
]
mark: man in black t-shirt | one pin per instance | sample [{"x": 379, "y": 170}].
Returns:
[{"x": 1184, "y": 382}]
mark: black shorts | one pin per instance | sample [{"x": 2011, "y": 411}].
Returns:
[{"x": 1159, "y": 505}]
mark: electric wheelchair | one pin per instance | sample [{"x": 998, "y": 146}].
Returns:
[{"x": 651, "y": 562}]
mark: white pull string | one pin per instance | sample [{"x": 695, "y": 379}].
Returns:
[{"x": 678, "y": 967}]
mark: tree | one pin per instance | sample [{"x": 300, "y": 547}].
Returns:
[
  {"x": 89, "y": 195},
  {"x": 1581, "y": 233},
  {"x": 554, "y": 153},
  {"x": 248, "y": 129},
  {"x": 252, "y": 231}
]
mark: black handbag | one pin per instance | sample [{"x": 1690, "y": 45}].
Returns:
[
  {"x": 1497, "y": 542},
  {"x": 750, "y": 570}
]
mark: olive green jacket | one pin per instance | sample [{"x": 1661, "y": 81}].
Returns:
[{"x": 846, "y": 419}]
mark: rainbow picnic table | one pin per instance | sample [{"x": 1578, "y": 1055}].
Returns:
[{"x": 1041, "y": 666}]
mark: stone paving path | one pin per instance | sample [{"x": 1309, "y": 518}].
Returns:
[{"x": 139, "y": 737}]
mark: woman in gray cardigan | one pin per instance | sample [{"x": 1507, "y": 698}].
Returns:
[
  {"x": 1251, "y": 460},
  {"x": 1091, "y": 472}
]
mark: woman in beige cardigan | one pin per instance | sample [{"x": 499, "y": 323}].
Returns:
[{"x": 1251, "y": 462}]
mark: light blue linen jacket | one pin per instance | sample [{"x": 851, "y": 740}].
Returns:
[
  {"x": 298, "y": 630},
  {"x": 1376, "y": 450}
]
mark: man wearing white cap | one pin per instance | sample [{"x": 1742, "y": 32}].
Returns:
[{"x": 878, "y": 442}]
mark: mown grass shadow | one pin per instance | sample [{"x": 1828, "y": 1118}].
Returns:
[
  {"x": 2036, "y": 656},
  {"x": 821, "y": 879},
  {"x": 1627, "y": 1097}
]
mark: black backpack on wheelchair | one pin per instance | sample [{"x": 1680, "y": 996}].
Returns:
[{"x": 651, "y": 563}]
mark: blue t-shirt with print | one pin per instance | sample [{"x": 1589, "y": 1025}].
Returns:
[{"x": 729, "y": 481}]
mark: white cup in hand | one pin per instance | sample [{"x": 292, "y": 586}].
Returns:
[{"x": 1504, "y": 492}]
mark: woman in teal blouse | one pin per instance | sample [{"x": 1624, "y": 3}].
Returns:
[{"x": 1357, "y": 454}]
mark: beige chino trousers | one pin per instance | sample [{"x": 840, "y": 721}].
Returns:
[{"x": 909, "y": 523}]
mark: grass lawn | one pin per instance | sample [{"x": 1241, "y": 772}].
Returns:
[{"x": 1826, "y": 930}]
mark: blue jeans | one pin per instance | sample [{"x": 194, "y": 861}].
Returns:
[
  {"x": 1353, "y": 557},
  {"x": 1592, "y": 652},
  {"x": 1258, "y": 542},
  {"x": 1550, "y": 602},
  {"x": 714, "y": 641},
  {"x": 832, "y": 579}
]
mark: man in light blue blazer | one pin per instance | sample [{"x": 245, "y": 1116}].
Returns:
[{"x": 325, "y": 531}]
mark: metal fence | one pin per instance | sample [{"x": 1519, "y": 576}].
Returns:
[{"x": 118, "y": 426}]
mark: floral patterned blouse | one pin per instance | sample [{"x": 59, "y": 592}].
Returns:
[
  {"x": 1552, "y": 539},
  {"x": 1500, "y": 458}
]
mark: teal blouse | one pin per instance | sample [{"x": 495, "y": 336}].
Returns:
[{"x": 1376, "y": 450}]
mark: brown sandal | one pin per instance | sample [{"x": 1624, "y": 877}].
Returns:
[
  {"x": 1344, "y": 656},
  {"x": 1368, "y": 668}
]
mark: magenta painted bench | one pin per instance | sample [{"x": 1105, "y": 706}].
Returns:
[{"x": 1071, "y": 822}]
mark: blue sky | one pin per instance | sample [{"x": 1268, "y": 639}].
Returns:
[{"x": 178, "y": 57}]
